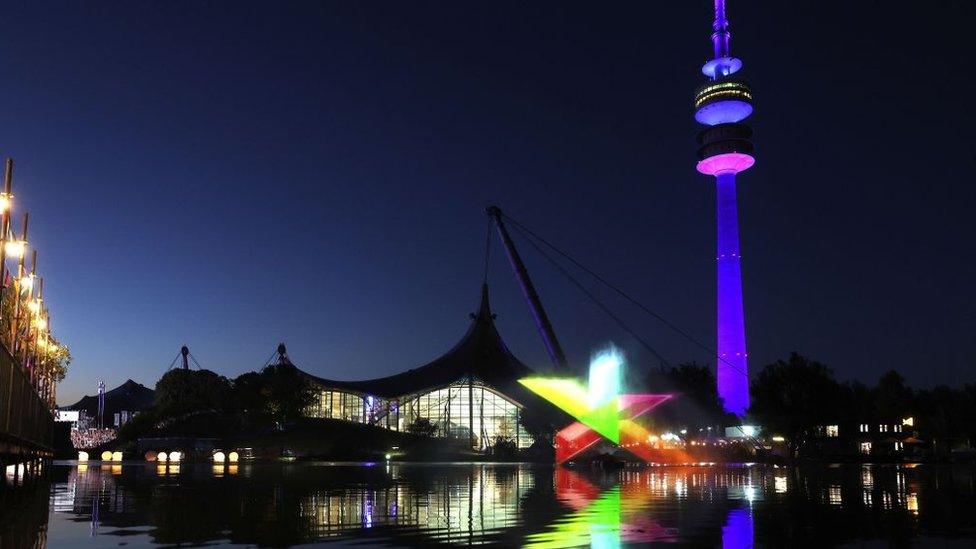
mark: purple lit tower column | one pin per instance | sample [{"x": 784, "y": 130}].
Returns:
[{"x": 724, "y": 150}]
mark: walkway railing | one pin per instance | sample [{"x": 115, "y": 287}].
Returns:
[{"x": 26, "y": 423}]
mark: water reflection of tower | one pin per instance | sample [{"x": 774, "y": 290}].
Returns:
[{"x": 724, "y": 150}]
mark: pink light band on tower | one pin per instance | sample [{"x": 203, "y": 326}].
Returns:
[{"x": 725, "y": 163}]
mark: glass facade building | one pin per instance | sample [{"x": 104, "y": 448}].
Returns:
[
  {"x": 470, "y": 394},
  {"x": 467, "y": 410}
]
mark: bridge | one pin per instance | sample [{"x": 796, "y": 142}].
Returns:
[
  {"x": 26, "y": 421},
  {"x": 31, "y": 360}
]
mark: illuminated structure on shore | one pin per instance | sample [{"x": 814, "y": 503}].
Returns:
[{"x": 724, "y": 150}]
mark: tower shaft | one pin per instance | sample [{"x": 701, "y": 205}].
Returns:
[{"x": 733, "y": 379}]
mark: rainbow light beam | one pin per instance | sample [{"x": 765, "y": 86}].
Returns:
[{"x": 602, "y": 412}]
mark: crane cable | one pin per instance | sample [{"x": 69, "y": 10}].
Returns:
[
  {"x": 595, "y": 300},
  {"x": 526, "y": 231}
]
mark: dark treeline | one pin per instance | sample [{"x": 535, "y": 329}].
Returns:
[
  {"x": 271, "y": 397},
  {"x": 798, "y": 397}
]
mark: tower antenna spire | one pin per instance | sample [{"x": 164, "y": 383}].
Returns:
[
  {"x": 722, "y": 63},
  {"x": 721, "y": 34}
]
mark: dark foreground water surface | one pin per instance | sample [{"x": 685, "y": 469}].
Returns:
[{"x": 271, "y": 504}]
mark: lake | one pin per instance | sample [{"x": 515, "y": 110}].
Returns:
[{"x": 282, "y": 504}]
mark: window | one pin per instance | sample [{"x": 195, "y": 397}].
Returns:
[
  {"x": 882, "y": 428},
  {"x": 865, "y": 428},
  {"x": 897, "y": 428},
  {"x": 468, "y": 412},
  {"x": 833, "y": 431},
  {"x": 338, "y": 405},
  {"x": 865, "y": 448},
  {"x": 899, "y": 446}
]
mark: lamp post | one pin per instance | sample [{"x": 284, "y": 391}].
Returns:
[
  {"x": 5, "y": 202},
  {"x": 17, "y": 248}
]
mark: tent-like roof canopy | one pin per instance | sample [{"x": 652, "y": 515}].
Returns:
[{"x": 481, "y": 354}]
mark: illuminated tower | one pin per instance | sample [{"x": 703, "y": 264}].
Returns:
[{"x": 725, "y": 150}]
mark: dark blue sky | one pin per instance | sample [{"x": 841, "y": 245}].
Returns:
[{"x": 232, "y": 175}]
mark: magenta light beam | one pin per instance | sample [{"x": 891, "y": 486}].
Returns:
[{"x": 724, "y": 150}]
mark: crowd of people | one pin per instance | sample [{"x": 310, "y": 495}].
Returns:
[{"x": 83, "y": 439}]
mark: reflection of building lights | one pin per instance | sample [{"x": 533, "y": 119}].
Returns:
[
  {"x": 867, "y": 477},
  {"x": 750, "y": 493},
  {"x": 834, "y": 494},
  {"x": 912, "y": 502}
]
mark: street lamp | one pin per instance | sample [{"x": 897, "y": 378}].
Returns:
[{"x": 15, "y": 249}]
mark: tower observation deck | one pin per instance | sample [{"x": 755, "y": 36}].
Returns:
[{"x": 725, "y": 149}]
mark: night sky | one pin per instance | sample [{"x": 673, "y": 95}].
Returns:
[{"x": 229, "y": 176}]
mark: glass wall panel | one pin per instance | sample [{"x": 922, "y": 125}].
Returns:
[{"x": 472, "y": 413}]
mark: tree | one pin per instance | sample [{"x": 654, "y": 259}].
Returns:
[
  {"x": 892, "y": 398},
  {"x": 184, "y": 391},
  {"x": 422, "y": 426},
  {"x": 792, "y": 398},
  {"x": 288, "y": 392}
]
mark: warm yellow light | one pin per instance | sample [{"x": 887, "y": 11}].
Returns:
[
  {"x": 15, "y": 249},
  {"x": 5, "y": 201},
  {"x": 908, "y": 421},
  {"x": 40, "y": 323},
  {"x": 27, "y": 282},
  {"x": 218, "y": 457},
  {"x": 162, "y": 456},
  {"x": 778, "y": 438},
  {"x": 232, "y": 457},
  {"x": 174, "y": 456},
  {"x": 116, "y": 456},
  {"x": 107, "y": 455},
  {"x": 82, "y": 457},
  {"x": 34, "y": 306}
]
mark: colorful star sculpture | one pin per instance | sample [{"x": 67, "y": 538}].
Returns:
[{"x": 602, "y": 412}]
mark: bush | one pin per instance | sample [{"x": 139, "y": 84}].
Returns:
[{"x": 422, "y": 426}]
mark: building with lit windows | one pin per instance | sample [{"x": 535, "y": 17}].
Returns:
[
  {"x": 887, "y": 438},
  {"x": 469, "y": 394}
]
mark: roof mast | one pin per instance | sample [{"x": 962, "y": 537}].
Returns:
[{"x": 555, "y": 350}]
